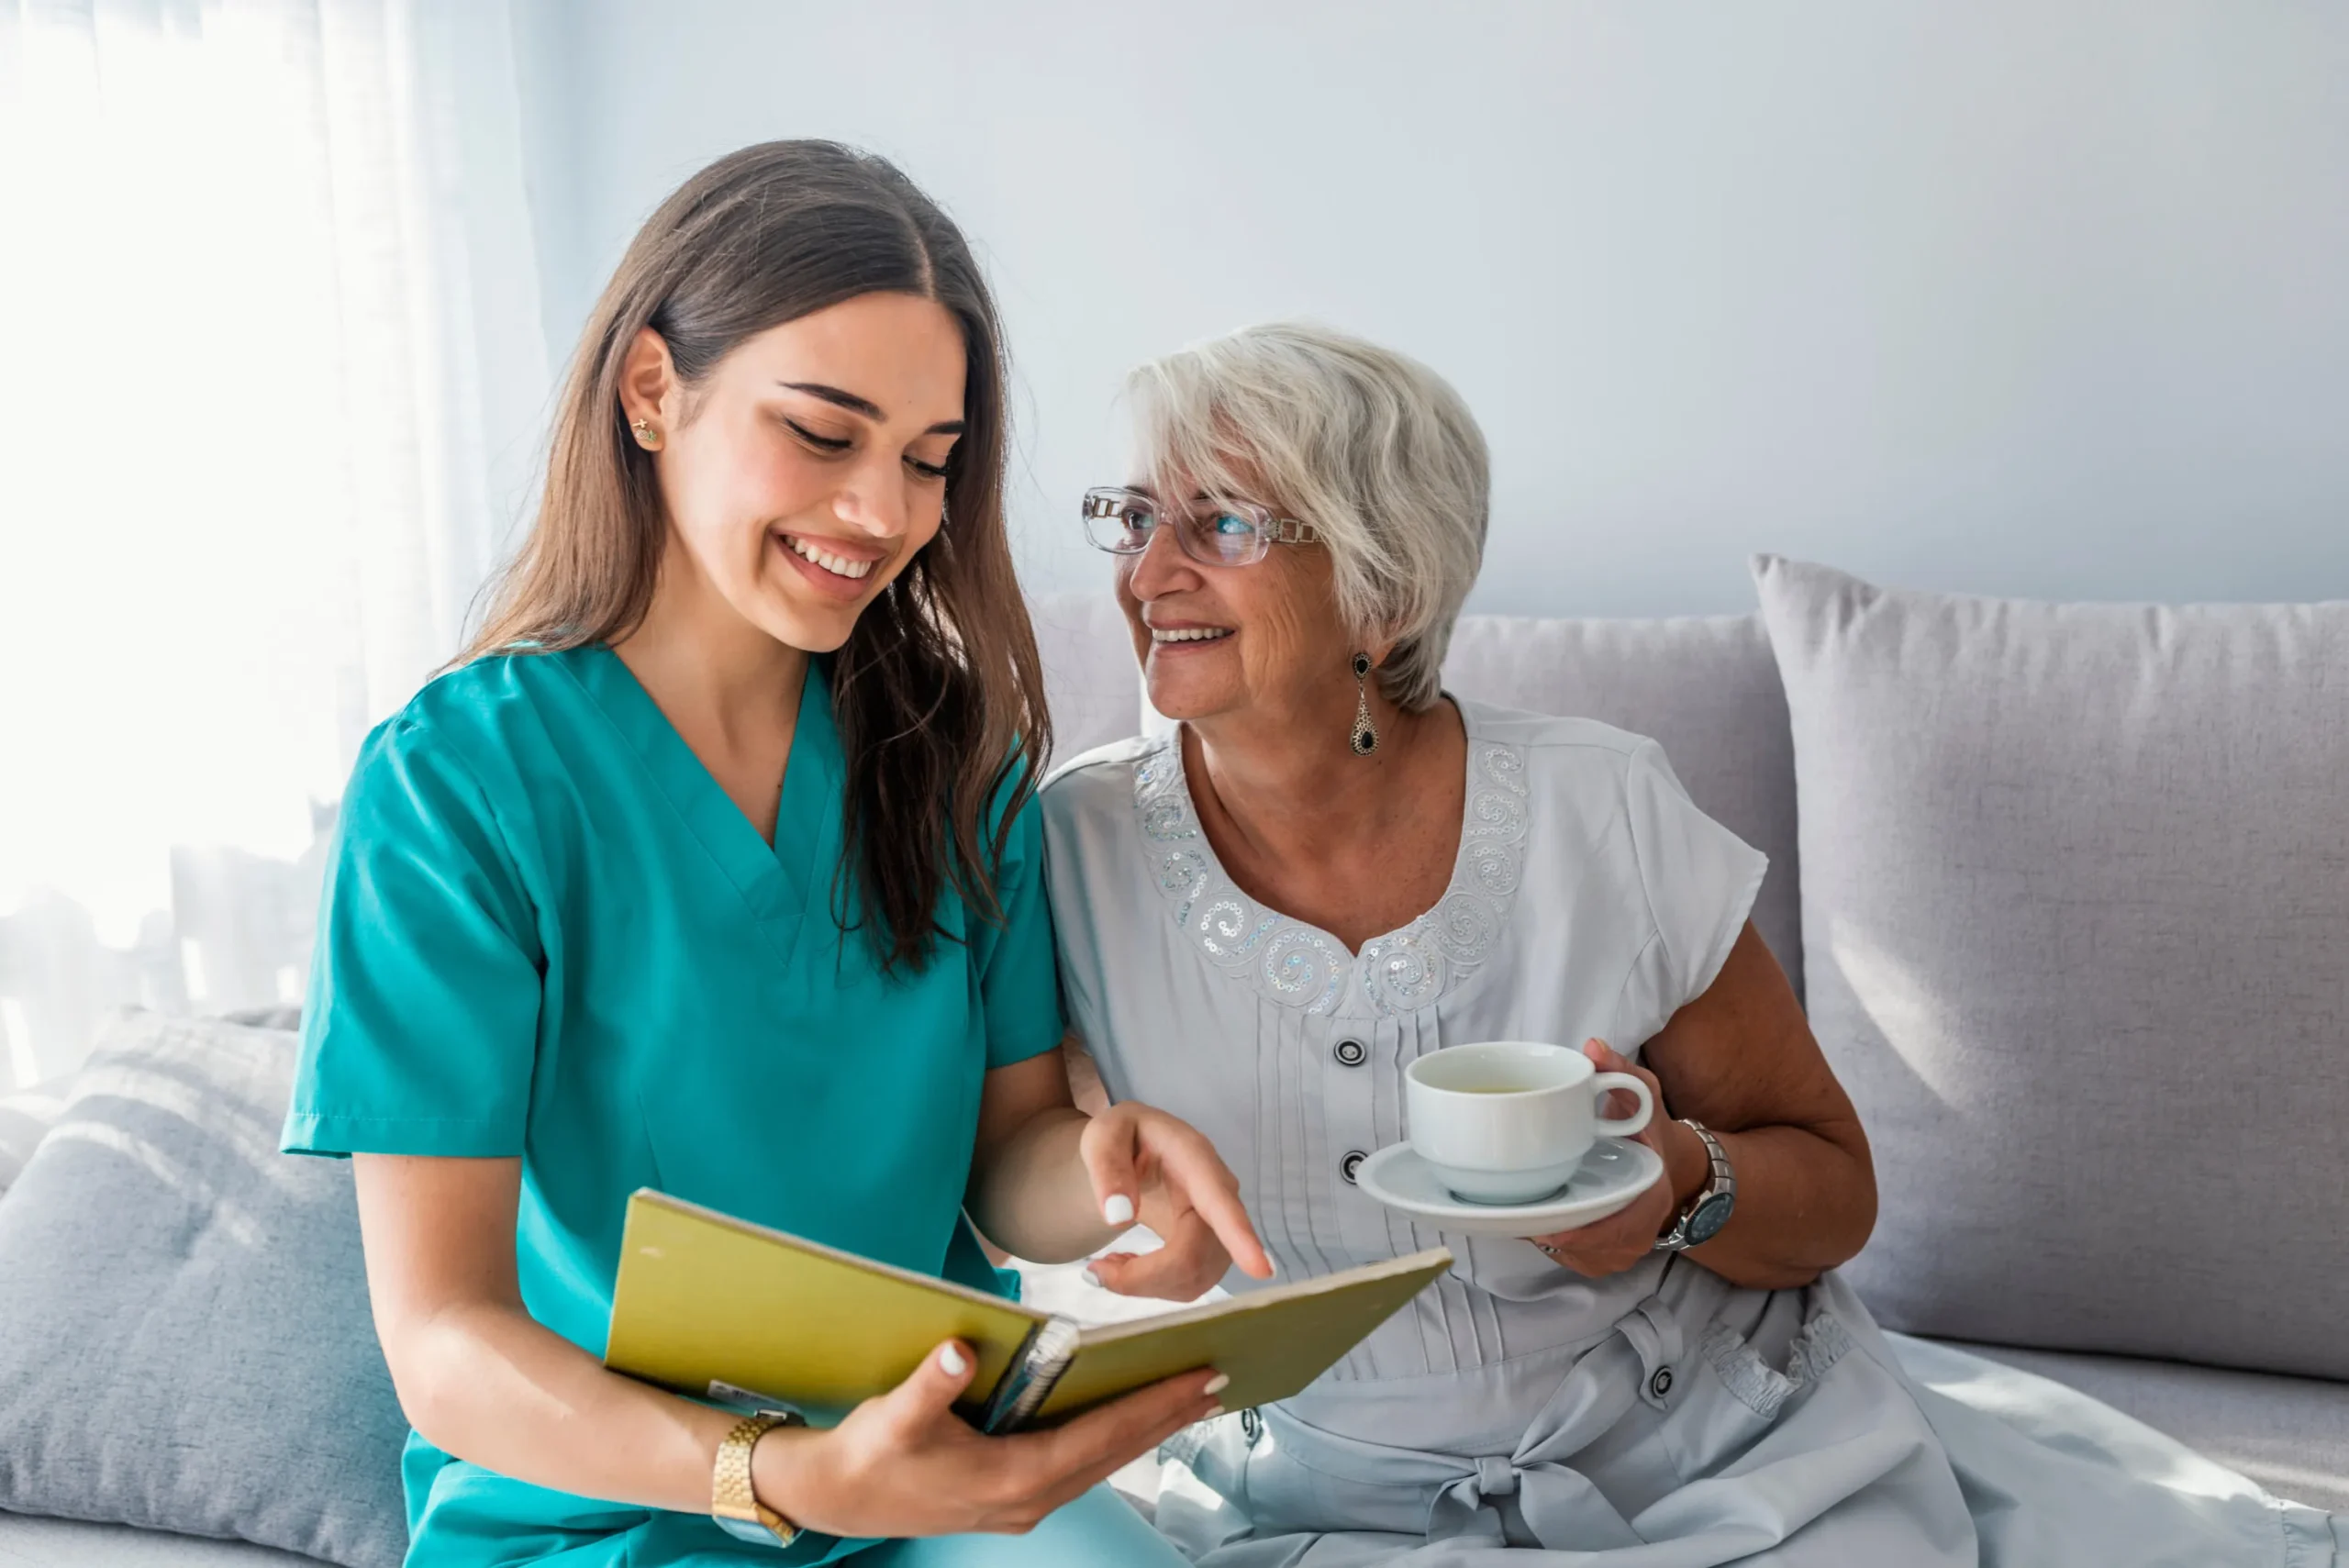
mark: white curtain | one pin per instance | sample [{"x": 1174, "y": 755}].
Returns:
[{"x": 268, "y": 297}]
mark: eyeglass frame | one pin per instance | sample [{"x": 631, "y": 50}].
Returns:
[{"x": 1099, "y": 502}]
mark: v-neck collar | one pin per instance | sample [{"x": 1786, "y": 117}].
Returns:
[{"x": 780, "y": 883}]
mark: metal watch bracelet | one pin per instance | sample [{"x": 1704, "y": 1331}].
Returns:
[
  {"x": 1707, "y": 1212},
  {"x": 733, "y": 1501}
]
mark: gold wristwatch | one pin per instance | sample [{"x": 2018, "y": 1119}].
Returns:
[{"x": 733, "y": 1502}]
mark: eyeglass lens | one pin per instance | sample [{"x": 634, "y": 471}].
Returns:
[{"x": 1218, "y": 533}]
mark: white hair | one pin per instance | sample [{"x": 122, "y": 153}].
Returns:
[{"x": 1373, "y": 449}]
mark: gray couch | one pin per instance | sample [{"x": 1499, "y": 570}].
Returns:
[{"x": 2067, "y": 896}]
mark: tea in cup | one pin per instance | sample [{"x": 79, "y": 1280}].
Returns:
[{"x": 1508, "y": 1121}]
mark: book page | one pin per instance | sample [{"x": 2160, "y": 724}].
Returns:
[{"x": 1270, "y": 1343}]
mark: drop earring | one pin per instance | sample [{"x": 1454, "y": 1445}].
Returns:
[{"x": 1365, "y": 735}]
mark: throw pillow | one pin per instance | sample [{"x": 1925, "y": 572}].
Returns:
[
  {"x": 2076, "y": 934},
  {"x": 184, "y": 1338},
  {"x": 25, "y": 1119}
]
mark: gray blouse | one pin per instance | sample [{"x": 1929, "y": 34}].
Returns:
[{"x": 1590, "y": 897}]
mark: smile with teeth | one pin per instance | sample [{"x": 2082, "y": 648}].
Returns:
[
  {"x": 834, "y": 564},
  {"x": 1191, "y": 634}
]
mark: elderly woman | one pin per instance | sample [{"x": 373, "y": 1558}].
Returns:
[{"x": 1332, "y": 868}]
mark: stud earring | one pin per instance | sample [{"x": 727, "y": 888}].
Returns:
[
  {"x": 1365, "y": 735},
  {"x": 646, "y": 437}
]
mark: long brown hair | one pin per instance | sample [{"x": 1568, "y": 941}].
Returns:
[{"x": 938, "y": 693}]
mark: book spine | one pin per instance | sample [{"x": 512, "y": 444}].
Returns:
[{"x": 1027, "y": 1382}]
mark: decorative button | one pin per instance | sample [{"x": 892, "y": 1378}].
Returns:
[
  {"x": 1252, "y": 1426},
  {"x": 1350, "y": 1054},
  {"x": 1661, "y": 1384},
  {"x": 1351, "y": 1163}
]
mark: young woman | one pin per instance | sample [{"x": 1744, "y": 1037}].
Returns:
[{"x": 714, "y": 867}]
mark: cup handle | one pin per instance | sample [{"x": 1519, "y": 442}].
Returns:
[{"x": 1623, "y": 1125}]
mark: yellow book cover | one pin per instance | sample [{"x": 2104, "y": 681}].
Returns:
[{"x": 719, "y": 1308}]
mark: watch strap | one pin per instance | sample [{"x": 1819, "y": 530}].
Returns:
[
  {"x": 733, "y": 1501},
  {"x": 1721, "y": 1180}
]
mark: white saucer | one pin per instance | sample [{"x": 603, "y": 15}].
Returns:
[{"x": 1616, "y": 1171}]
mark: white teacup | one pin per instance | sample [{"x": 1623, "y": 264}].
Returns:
[{"x": 1510, "y": 1121}]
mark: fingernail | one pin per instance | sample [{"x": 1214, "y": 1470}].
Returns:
[
  {"x": 1094, "y": 1280},
  {"x": 1213, "y": 1411},
  {"x": 1119, "y": 1209},
  {"x": 1218, "y": 1383},
  {"x": 952, "y": 1360}
]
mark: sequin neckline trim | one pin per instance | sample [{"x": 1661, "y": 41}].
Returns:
[{"x": 1302, "y": 966}]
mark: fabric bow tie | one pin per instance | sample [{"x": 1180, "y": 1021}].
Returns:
[
  {"x": 1559, "y": 1506},
  {"x": 1556, "y": 1503}
]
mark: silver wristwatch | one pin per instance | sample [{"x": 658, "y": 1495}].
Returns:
[{"x": 1709, "y": 1209}]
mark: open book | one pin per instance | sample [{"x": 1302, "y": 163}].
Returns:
[{"x": 722, "y": 1309}]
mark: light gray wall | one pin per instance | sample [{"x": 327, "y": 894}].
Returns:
[{"x": 2028, "y": 296}]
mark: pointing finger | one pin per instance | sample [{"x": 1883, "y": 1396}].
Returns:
[{"x": 1190, "y": 1166}]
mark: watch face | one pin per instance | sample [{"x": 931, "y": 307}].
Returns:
[{"x": 1709, "y": 1216}]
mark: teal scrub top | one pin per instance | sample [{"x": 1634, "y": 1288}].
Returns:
[{"x": 547, "y": 932}]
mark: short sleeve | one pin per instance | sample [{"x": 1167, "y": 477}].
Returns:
[
  {"x": 1019, "y": 975},
  {"x": 1700, "y": 881},
  {"x": 420, "y": 1031}
]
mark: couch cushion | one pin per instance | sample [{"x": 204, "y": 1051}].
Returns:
[
  {"x": 2289, "y": 1434},
  {"x": 184, "y": 1338},
  {"x": 1705, "y": 689},
  {"x": 26, "y": 1541},
  {"x": 1091, "y": 682},
  {"x": 2076, "y": 907}
]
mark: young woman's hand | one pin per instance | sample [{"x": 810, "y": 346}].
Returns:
[
  {"x": 1158, "y": 1169},
  {"x": 904, "y": 1465}
]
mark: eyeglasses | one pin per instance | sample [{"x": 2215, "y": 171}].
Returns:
[{"x": 1212, "y": 532}]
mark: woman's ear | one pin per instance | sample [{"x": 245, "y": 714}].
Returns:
[{"x": 648, "y": 377}]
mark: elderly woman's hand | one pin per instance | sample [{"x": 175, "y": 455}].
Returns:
[
  {"x": 1615, "y": 1243},
  {"x": 1188, "y": 1196}
]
